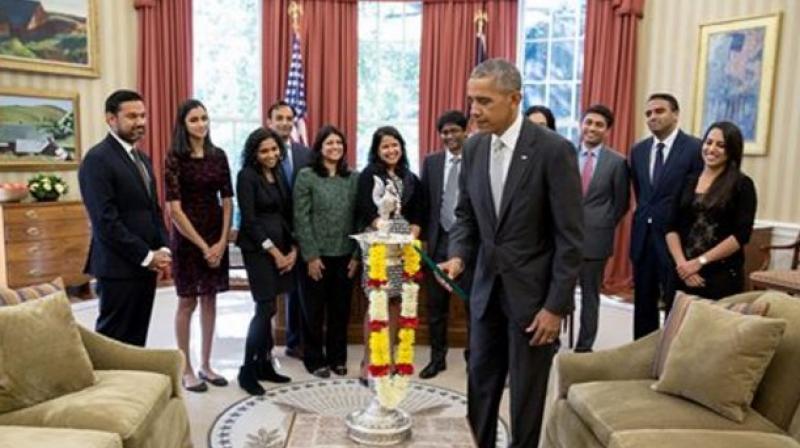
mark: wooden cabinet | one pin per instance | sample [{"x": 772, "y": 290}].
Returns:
[{"x": 43, "y": 240}]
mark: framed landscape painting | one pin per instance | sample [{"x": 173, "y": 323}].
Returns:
[
  {"x": 39, "y": 130},
  {"x": 49, "y": 36},
  {"x": 736, "y": 72}
]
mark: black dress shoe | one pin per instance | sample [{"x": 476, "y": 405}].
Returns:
[
  {"x": 339, "y": 370},
  {"x": 248, "y": 380},
  {"x": 583, "y": 350},
  {"x": 199, "y": 387},
  {"x": 322, "y": 372},
  {"x": 432, "y": 369},
  {"x": 267, "y": 373}
]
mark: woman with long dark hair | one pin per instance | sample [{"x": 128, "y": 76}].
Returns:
[
  {"x": 198, "y": 194},
  {"x": 713, "y": 218},
  {"x": 268, "y": 249},
  {"x": 324, "y": 198}
]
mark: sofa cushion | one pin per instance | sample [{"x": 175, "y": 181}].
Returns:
[
  {"x": 16, "y": 296},
  {"x": 124, "y": 402},
  {"x": 678, "y": 314},
  {"x": 37, "y": 437},
  {"x": 719, "y": 357},
  {"x": 778, "y": 396},
  {"x": 610, "y": 406},
  {"x": 700, "y": 438},
  {"x": 41, "y": 353}
]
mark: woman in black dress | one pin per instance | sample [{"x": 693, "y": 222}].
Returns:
[
  {"x": 268, "y": 249},
  {"x": 198, "y": 193},
  {"x": 713, "y": 218},
  {"x": 389, "y": 162}
]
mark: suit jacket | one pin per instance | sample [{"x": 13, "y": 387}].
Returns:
[
  {"x": 126, "y": 219},
  {"x": 301, "y": 158},
  {"x": 265, "y": 209},
  {"x": 432, "y": 178},
  {"x": 534, "y": 245},
  {"x": 605, "y": 203},
  {"x": 654, "y": 203}
]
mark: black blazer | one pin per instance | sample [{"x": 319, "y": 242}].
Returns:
[
  {"x": 654, "y": 202},
  {"x": 411, "y": 202},
  {"x": 534, "y": 245},
  {"x": 266, "y": 211},
  {"x": 126, "y": 220}
]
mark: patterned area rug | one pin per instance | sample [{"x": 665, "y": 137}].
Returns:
[{"x": 311, "y": 414}]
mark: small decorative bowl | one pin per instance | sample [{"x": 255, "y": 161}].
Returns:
[{"x": 13, "y": 194}]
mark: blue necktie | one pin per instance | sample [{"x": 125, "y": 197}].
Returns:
[
  {"x": 288, "y": 171},
  {"x": 658, "y": 168}
]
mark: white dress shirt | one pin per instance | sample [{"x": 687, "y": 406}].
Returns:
[
  {"x": 667, "y": 147},
  {"x": 509, "y": 139}
]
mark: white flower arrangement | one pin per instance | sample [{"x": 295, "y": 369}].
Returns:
[{"x": 47, "y": 187}]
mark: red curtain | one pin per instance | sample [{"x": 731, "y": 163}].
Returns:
[
  {"x": 329, "y": 40},
  {"x": 448, "y": 55},
  {"x": 609, "y": 77},
  {"x": 164, "y": 72}
]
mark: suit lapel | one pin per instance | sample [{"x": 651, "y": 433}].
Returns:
[
  {"x": 518, "y": 166},
  {"x": 483, "y": 151},
  {"x": 437, "y": 178},
  {"x": 602, "y": 165},
  {"x": 674, "y": 156},
  {"x": 130, "y": 164}
]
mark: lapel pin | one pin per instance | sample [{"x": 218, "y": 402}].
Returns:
[{"x": 523, "y": 157}]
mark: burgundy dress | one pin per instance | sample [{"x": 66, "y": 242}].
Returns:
[{"x": 199, "y": 184}]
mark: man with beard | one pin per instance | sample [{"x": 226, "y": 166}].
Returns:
[
  {"x": 659, "y": 166},
  {"x": 440, "y": 186},
  {"x": 128, "y": 251}
]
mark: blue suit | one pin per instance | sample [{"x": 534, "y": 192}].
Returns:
[
  {"x": 652, "y": 265},
  {"x": 126, "y": 225}
]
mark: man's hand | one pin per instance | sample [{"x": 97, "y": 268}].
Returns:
[
  {"x": 453, "y": 268},
  {"x": 161, "y": 260},
  {"x": 315, "y": 268},
  {"x": 352, "y": 268},
  {"x": 546, "y": 327}
]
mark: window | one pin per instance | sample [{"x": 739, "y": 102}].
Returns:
[
  {"x": 389, "y": 40},
  {"x": 551, "y": 57},
  {"x": 227, "y": 72}
]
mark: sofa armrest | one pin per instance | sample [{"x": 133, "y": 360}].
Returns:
[
  {"x": 43, "y": 437},
  {"x": 108, "y": 354},
  {"x": 632, "y": 361},
  {"x": 680, "y": 438}
]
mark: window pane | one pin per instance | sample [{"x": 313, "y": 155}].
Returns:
[
  {"x": 563, "y": 58},
  {"x": 535, "y": 61},
  {"x": 564, "y": 22},
  {"x": 537, "y": 23},
  {"x": 560, "y": 102},
  {"x": 534, "y": 94}
]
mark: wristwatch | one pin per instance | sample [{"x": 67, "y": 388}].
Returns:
[{"x": 703, "y": 260}]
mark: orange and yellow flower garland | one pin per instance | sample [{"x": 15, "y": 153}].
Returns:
[{"x": 391, "y": 389}]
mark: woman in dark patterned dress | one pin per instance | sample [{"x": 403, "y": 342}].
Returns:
[
  {"x": 198, "y": 189},
  {"x": 713, "y": 218}
]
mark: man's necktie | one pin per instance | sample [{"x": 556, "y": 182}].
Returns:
[
  {"x": 447, "y": 216},
  {"x": 658, "y": 167},
  {"x": 496, "y": 173},
  {"x": 142, "y": 171},
  {"x": 288, "y": 169},
  {"x": 588, "y": 170}
]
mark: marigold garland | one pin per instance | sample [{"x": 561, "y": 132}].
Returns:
[{"x": 392, "y": 388}]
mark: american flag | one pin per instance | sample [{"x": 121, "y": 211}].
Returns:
[{"x": 296, "y": 91}]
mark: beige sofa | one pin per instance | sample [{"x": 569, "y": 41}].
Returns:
[
  {"x": 605, "y": 398},
  {"x": 135, "y": 402}
]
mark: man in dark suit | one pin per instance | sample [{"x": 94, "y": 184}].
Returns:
[
  {"x": 280, "y": 118},
  {"x": 520, "y": 218},
  {"x": 659, "y": 166},
  {"x": 439, "y": 180},
  {"x": 604, "y": 182},
  {"x": 128, "y": 250}
]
